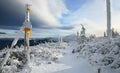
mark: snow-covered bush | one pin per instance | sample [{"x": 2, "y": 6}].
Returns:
[
  {"x": 38, "y": 54},
  {"x": 101, "y": 52},
  {"x": 45, "y": 54}
]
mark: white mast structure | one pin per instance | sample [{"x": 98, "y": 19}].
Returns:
[
  {"x": 26, "y": 28},
  {"x": 108, "y": 8}
]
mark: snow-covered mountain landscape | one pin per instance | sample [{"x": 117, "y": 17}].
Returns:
[
  {"x": 59, "y": 36},
  {"x": 71, "y": 57}
]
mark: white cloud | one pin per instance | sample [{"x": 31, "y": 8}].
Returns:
[
  {"x": 48, "y": 11},
  {"x": 93, "y": 14},
  {"x": 57, "y": 7}
]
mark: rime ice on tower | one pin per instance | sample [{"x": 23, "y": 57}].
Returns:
[
  {"x": 26, "y": 28},
  {"x": 109, "y": 33}
]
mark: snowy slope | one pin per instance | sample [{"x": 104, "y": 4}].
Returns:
[
  {"x": 77, "y": 65},
  {"x": 101, "y": 53},
  {"x": 39, "y": 55},
  {"x": 87, "y": 58},
  {"x": 51, "y": 60},
  {"x": 69, "y": 63}
]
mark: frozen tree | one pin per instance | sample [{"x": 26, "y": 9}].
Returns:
[
  {"x": 104, "y": 34},
  {"x": 82, "y": 34},
  {"x": 114, "y": 33},
  {"x": 83, "y": 31}
]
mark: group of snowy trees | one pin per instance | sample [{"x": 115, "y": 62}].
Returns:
[
  {"x": 114, "y": 33},
  {"x": 81, "y": 36},
  {"x": 42, "y": 53},
  {"x": 101, "y": 52}
]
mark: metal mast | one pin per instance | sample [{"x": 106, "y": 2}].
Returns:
[
  {"x": 27, "y": 28},
  {"x": 108, "y": 8}
]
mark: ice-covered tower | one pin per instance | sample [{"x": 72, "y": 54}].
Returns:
[
  {"x": 27, "y": 28},
  {"x": 108, "y": 8}
]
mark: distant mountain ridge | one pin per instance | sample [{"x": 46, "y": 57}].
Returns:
[
  {"x": 70, "y": 37},
  {"x": 4, "y": 42},
  {"x": 2, "y": 33}
]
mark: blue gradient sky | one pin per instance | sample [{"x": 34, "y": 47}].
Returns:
[
  {"x": 51, "y": 18},
  {"x": 73, "y": 5}
]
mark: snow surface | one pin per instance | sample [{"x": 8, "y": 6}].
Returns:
[
  {"x": 101, "y": 53},
  {"x": 69, "y": 63},
  {"x": 88, "y": 57},
  {"x": 78, "y": 65},
  {"x": 42, "y": 60}
]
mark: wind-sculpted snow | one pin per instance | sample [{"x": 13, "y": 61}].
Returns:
[
  {"x": 39, "y": 54},
  {"x": 101, "y": 52}
]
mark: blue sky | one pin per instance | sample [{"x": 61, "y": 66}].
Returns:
[
  {"x": 51, "y": 18},
  {"x": 73, "y": 5}
]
